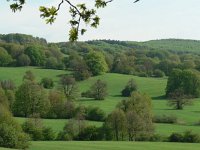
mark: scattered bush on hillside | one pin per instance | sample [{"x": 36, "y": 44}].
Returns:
[
  {"x": 159, "y": 73},
  {"x": 70, "y": 87},
  {"x": 191, "y": 137},
  {"x": 47, "y": 83},
  {"x": 48, "y": 133},
  {"x": 98, "y": 90},
  {"x": 90, "y": 133},
  {"x": 187, "y": 137},
  {"x": 34, "y": 127},
  {"x": 176, "y": 137},
  {"x": 72, "y": 129},
  {"x": 11, "y": 134},
  {"x": 81, "y": 74},
  {"x": 23, "y": 60},
  {"x": 129, "y": 88},
  {"x": 7, "y": 84},
  {"x": 95, "y": 114}
]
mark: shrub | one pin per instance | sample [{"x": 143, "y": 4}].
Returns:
[
  {"x": 156, "y": 138},
  {"x": 80, "y": 75},
  {"x": 152, "y": 138},
  {"x": 34, "y": 129},
  {"x": 98, "y": 91},
  {"x": 142, "y": 74},
  {"x": 129, "y": 88},
  {"x": 176, "y": 137},
  {"x": 37, "y": 131},
  {"x": 7, "y": 85},
  {"x": 95, "y": 114},
  {"x": 63, "y": 136},
  {"x": 165, "y": 119},
  {"x": 190, "y": 137},
  {"x": 47, "y": 83},
  {"x": 158, "y": 73},
  {"x": 69, "y": 109},
  {"x": 90, "y": 133},
  {"x": 11, "y": 134},
  {"x": 71, "y": 130},
  {"x": 187, "y": 137},
  {"x": 48, "y": 134}
]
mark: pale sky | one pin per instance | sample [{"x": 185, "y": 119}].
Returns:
[{"x": 121, "y": 20}]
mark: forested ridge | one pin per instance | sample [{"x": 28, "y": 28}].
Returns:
[{"x": 151, "y": 58}]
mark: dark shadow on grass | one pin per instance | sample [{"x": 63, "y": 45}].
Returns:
[
  {"x": 168, "y": 109},
  {"x": 163, "y": 97},
  {"x": 196, "y": 111}
]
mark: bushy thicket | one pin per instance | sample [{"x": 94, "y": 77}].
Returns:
[
  {"x": 37, "y": 131},
  {"x": 187, "y": 137}
]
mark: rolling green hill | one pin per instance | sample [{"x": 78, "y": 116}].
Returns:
[
  {"x": 174, "y": 45},
  {"x": 16, "y": 73},
  {"x": 154, "y": 87}
]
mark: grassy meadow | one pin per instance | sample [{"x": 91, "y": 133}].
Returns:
[
  {"x": 112, "y": 146},
  {"x": 154, "y": 87},
  {"x": 16, "y": 73}
]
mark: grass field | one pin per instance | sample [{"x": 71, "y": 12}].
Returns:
[
  {"x": 112, "y": 146},
  {"x": 16, "y": 73},
  {"x": 154, "y": 87}
]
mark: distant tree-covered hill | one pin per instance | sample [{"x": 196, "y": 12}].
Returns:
[
  {"x": 151, "y": 58},
  {"x": 22, "y": 39},
  {"x": 172, "y": 45}
]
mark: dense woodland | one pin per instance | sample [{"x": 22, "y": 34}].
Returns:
[{"x": 132, "y": 118}]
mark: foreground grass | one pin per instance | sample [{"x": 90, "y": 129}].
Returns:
[{"x": 112, "y": 146}]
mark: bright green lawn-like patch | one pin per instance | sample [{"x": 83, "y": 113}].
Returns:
[
  {"x": 116, "y": 82},
  {"x": 112, "y": 146},
  {"x": 16, "y": 73}
]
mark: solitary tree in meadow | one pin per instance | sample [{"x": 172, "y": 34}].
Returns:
[
  {"x": 70, "y": 87},
  {"x": 99, "y": 90}
]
